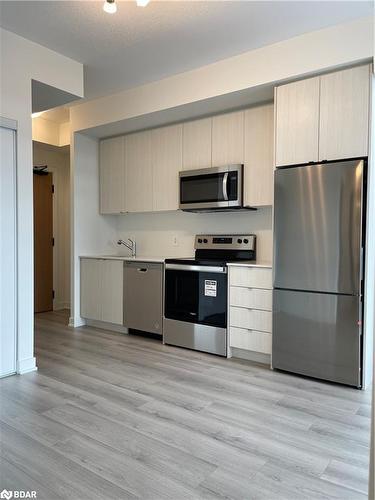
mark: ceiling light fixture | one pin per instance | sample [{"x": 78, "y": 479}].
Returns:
[
  {"x": 110, "y": 6},
  {"x": 142, "y": 3}
]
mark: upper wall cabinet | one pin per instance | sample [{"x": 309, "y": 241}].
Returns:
[
  {"x": 297, "y": 122},
  {"x": 258, "y": 175},
  {"x": 112, "y": 176},
  {"x": 228, "y": 139},
  {"x": 323, "y": 118},
  {"x": 344, "y": 113},
  {"x": 166, "y": 164},
  {"x": 197, "y": 144},
  {"x": 138, "y": 160}
]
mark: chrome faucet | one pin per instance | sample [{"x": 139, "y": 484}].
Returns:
[{"x": 131, "y": 245}]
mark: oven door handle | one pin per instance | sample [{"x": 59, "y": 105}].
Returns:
[
  {"x": 192, "y": 267},
  {"x": 225, "y": 186}
]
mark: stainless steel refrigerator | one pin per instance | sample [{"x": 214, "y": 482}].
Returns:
[{"x": 318, "y": 270}]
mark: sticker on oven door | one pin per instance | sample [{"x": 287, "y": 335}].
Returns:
[{"x": 210, "y": 288}]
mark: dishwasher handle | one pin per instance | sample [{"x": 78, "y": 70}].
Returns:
[{"x": 142, "y": 269}]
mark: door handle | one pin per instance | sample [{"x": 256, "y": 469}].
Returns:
[{"x": 225, "y": 186}]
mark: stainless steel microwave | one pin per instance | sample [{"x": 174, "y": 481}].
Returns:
[{"x": 215, "y": 188}]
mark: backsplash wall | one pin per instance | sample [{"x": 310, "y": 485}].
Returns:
[{"x": 155, "y": 232}]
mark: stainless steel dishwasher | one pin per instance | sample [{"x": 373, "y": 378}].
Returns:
[{"x": 143, "y": 296}]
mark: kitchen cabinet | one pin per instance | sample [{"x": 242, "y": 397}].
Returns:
[
  {"x": 344, "y": 113},
  {"x": 250, "y": 309},
  {"x": 143, "y": 296},
  {"x": 197, "y": 144},
  {"x": 166, "y": 164},
  {"x": 102, "y": 290},
  {"x": 258, "y": 156},
  {"x": 112, "y": 176},
  {"x": 138, "y": 161},
  {"x": 323, "y": 118},
  {"x": 228, "y": 139},
  {"x": 297, "y": 122}
]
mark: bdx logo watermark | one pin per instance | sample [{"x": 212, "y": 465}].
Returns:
[{"x": 17, "y": 494}]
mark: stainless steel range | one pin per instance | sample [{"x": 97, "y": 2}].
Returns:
[{"x": 195, "y": 305}]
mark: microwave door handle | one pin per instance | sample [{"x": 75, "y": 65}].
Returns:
[{"x": 225, "y": 186}]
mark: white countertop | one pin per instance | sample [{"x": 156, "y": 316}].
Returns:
[
  {"x": 144, "y": 258},
  {"x": 250, "y": 263},
  {"x": 139, "y": 258}
]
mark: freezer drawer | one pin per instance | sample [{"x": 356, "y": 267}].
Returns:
[
  {"x": 143, "y": 306},
  {"x": 317, "y": 335}
]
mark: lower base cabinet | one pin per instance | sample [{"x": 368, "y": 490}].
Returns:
[
  {"x": 250, "y": 309},
  {"x": 102, "y": 290}
]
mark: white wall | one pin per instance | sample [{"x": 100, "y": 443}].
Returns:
[
  {"x": 154, "y": 232},
  {"x": 21, "y": 61},
  {"x": 58, "y": 164},
  {"x": 312, "y": 52},
  {"x": 50, "y": 132},
  {"x": 92, "y": 233}
]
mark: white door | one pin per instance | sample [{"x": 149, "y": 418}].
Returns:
[{"x": 8, "y": 304}]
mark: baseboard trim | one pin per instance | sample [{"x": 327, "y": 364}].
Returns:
[
  {"x": 76, "y": 322},
  {"x": 58, "y": 306},
  {"x": 257, "y": 357},
  {"x": 26, "y": 366},
  {"x": 103, "y": 325}
]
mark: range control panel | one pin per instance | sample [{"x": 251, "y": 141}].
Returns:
[{"x": 225, "y": 241}]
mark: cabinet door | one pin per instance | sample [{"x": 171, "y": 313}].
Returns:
[
  {"x": 344, "y": 114},
  {"x": 258, "y": 175},
  {"x": 197, "y": 144},
  {"x": 112, "y": 176},
  {"x": 166, "y": 164},
  {"x": 112, "y": 291},
  {"x": 91, "y": 283},
  {"x": 297, "y": 122},
  {"x": 228, "y": 139},
  {"x": 138, "y": 164}
]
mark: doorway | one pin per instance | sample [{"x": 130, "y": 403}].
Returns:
[
  {"x": 51, "y": 181},
  {"x": 43, "y": 240}
]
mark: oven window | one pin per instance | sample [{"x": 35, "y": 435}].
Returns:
[{"x": 196, "y": 297}]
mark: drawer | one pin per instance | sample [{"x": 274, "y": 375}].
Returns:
[
  {"x": 252, "y": 298},
  {"x": 251, "y": 340},
  {"x": 252, "y": 277},
  {"x": 251, "y": 319}
]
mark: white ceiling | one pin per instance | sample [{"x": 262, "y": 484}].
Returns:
[{"x": 139, "y": 45}]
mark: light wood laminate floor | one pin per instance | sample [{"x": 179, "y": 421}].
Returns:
[{"x": 115, "y": 416}]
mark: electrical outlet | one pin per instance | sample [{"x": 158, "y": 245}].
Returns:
[{"x": 175, "y": 241}]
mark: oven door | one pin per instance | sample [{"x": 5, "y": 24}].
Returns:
[
  {"x": 210, "y": 188},
  {"x": 196, "y": 294}
]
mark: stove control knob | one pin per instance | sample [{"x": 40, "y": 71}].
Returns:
[
  {"x": 246, "y": 241},
  {"x": 239, "y": 240},
  {"x": 199, "y": 240},
  {"x": 205, "y": 241}
]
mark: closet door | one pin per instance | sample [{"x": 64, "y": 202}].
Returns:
[
  {"x": 8, "y": 304},
  {"x": 138, "y": 162}
]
